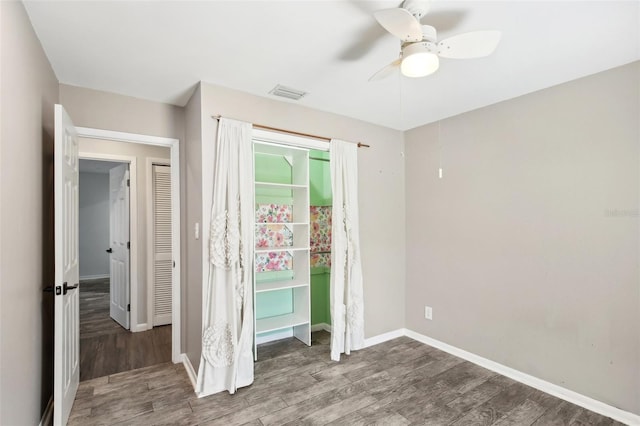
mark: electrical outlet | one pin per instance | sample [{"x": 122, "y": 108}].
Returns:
[{"x": 428, "y": 313}]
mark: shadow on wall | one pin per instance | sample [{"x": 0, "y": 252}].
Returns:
[{"x": 48, "y": 272}]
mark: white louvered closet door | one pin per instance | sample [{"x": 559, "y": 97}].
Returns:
[{"x": 162, "y": 245}]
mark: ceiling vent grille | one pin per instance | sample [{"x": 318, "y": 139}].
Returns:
[{"x": 287, "y": 92}]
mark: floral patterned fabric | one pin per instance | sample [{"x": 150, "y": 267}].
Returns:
[
  {"x": 273, "y": 236},
  {"x": 274, "y": 261},
  {"x": 319, "y": 260},
  {"x": 320, "y": 236},
  {"x": 320, "y": 228},
  {"x": 274, "y": 213}
]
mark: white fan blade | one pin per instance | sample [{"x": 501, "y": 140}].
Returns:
[
  {"x": 400, "y": 23},
  {"x": 475, "y": 44},
  {"x": 386, "y": 71}
]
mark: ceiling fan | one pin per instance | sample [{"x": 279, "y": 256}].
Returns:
[{"x": 420, "y": 48}]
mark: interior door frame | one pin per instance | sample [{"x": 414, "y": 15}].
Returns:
[
  {"x": 174, "y": 146},
  {"x": 150, "y": 234},
  {"x": 133, "y": 228}
]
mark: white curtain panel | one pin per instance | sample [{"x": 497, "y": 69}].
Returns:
[
  {"x": 346, "y": 295},
  {"x": 227, "y": 319}
]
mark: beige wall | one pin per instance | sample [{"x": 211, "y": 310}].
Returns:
[
  {"x": 527, "y": 249},
  {"x": 381, "y": 186},
  {"x": 110, "y": 111},
  {"x": 192, "y": 285},
  {"x": 29, "y": 91},
  {"x": 141, "y": 153}
]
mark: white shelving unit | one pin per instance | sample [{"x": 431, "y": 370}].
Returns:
[{"x": 289, "y": 288}]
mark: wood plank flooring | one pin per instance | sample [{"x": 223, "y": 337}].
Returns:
[
  {"x": 400, "y": 382},
  {"x": 105, "y": 346}
]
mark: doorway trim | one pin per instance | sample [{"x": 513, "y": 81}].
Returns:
[{"x": 174, "y": 145}]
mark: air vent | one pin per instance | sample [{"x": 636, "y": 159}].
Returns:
[{"x": 287, "y": 92}]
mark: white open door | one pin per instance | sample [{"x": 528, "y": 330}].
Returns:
[
  {"x": 162, "y": 258},
  {"x": 119, "y": 237},
  {"x": 66, "y": 331}
]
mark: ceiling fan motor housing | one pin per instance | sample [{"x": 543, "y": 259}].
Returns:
[
  {"x": 419, "y": 47},
  {"x": 418, "y": 8},
  {"x": 429, "y": 33},
  {"x": 429, "y": 39}
]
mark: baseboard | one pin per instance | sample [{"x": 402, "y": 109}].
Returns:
[
  {"x": 191, "y": 372},
  {"x": 93, "y": 277},
  {"x": 547, "y": 387},
  {"x": 323, "y": 326},
  {"x": 284, "y": 334},
  {"x": 380, "y": 338},
  {"x": 47, "y": 416},
  {"x": 140, "y": 327}
]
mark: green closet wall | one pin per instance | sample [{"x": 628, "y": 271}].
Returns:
[
  {"x": 320, "y": 195},
  {"x": 274, "y": 169}
]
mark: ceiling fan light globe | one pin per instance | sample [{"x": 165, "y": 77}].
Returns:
[{"x": 419, "y": 64}]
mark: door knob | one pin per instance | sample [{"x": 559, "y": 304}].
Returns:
[
  {"x": 66, "y": 287},
  {"x": 109, "y": 250}
]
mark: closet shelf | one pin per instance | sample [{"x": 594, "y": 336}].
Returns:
[
  {"x": 279, "y": 249},
  {"x": 265, "y": 325},
  {"x": 279, "y": 285},
  {"x": 280, "y": 185},
  {"x": 282, "y": 192}
]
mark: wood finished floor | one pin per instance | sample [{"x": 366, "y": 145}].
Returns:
[
  {"x": 106, "y": 347},
  {"x": 400, "y": 382}
]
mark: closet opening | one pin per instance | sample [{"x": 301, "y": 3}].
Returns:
[
  {"x": 269, "y": 214},
  {"x": 292, "y": 242},
  {"x": 320, "y": 199}
]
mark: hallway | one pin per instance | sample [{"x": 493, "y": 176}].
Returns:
[{"x": 107, "y": 348}]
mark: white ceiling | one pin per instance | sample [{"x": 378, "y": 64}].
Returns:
[{"x": 159, "y": 50}]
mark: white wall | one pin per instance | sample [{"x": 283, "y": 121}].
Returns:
[
  {"x": 29, "y": 91},
  {"x": 528, "y": 248},
  {"x": 93, "y": 224},
  {"x": 141, "y": 152}
]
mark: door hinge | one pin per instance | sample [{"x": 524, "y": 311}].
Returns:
[
  {"x": 128, "y": 244},
  {"x": 128, "y": 182},
  {"x": 174, "y": 263},
  {"x": 129, "y": 307}
]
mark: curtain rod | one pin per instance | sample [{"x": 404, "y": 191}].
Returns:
[{"x": 275, "y": 129}]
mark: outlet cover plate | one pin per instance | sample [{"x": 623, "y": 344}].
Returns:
[{"x": 428, "y": 312}]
